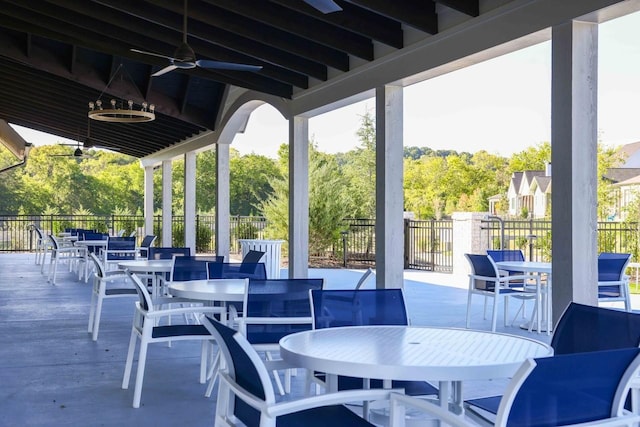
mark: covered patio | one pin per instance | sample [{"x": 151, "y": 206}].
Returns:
[
  {"x": 58, "y": 56},
  {"x": 53, "y": 374}
]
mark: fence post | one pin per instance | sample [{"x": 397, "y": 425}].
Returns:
[
  {"x": 407, "y": 243},
  {"x": 432, "y": 244},
  {"x": 344, "y": 248}
]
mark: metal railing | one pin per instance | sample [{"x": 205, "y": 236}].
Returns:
[{"x": 533, "y": 237}]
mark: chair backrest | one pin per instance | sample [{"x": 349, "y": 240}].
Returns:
[
  {"x": 93, "y": 236},
  {"x": 342, "y": 307},
  {"x": 569, "y": 389},
  {"x": 37, "y": 230},
  {"x": 188, "y": 268},
  {"x": 611, "y": 266},
  {"x": 115, "y": 244},
  {"x": 506, "y": 255},
  {"x": 145, "y": 300},
  {"x": 253, "y": 256},
  {"x": 278, "y": 298},
  {"x": 147, "y": 241},
  {"x": 98, "y": 265},
  {"x": 365, "y": 278},
  {"x": 236, "y": 270},
  {"x": 244, "y": 368},
  {"x": 167, "y": 253},
  {"x": 482, "y": 265},
  {"x": 121, "y": 233},
  {"x": 54, "y": 243},
  {"x": 584, "y": 328}
]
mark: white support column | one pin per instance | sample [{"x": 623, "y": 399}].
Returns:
[
  {"x": 298, "y": 197},
  {"x": 167, "y": 204},
  {"x": 574, "y": 148},
  {"x": 223, "y": 201},
  {"x": 148, "y": 200},
  {"x": 389, "y": 189},
  {"x": 190, "y": 200}
]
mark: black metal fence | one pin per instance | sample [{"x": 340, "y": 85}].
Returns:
[
  {"x": 533, "y": 237},
  {"x": 15, "y": 235}
]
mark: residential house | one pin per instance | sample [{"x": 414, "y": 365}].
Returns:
[{"x": 530, "y": 191}]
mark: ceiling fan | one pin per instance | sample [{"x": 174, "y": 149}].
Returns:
[
  {"x": 324, "y": 6},
  {"x": 185, "y": 58}
]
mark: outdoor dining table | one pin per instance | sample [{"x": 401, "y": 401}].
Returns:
[
  {"x": 156, "y": 267},
  {"x": 543, "y": 309},
  {"x": 449, "y": 356}
]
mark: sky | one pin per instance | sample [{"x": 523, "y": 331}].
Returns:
[{"x": 501, "y": 105}]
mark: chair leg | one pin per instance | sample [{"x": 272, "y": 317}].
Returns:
[
  {"x": 494, "y": 313},
  {"x": 92, "y": 311},
  {"x": 203, "y": 361},
  {"x": 142, "y": 361},
  {"x": 468, "y": 309},
  {"x": 129, "y": 363},
  {"x": 98, "y": 315}
]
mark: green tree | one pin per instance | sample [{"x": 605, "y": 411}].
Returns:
[
  {"x": 327, "y": 205},
  {"x": 251, "y": 181},
  {"x": 359, "y": 169}
]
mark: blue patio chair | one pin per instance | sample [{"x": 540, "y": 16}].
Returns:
[
  {"x": 613, "y": 283},
  {"x": 147, "y": 242},
  {"x": 191, "y": 268},
  {"x": 485, "y": 280},
  {"x": 275, "y": 308},
  {"x": 147, "y": 327},
  {"x": 564, "y": 390},
  {"x": 246, "y": 393},
  {"x": 498, "y": 255},
  {"x": 335, "y": 308},
  {"x": 118, "y": 249},
  {"x": 236, "y": 270},
  {"x": 167, "y": 252},
  {"x": 581, "y": 329}
]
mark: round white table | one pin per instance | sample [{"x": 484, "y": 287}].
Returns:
[{"x": 447, "y": 355}]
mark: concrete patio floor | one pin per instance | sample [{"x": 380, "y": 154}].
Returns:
[{"x": 53, "y": 374}]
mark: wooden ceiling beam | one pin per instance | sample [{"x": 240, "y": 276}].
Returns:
[
  {"x": 91, "y": 34},
  {"x": 355, "y": 19},
  {"x": 300, "y": 25},
  {"x": 468, "y": 7},
  {"x": 419, "y": 14}
]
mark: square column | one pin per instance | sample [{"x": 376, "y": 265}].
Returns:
[
  {"x": 148, "y": 200},
  {"x": 223, "y": 201},
  {"x": 298, "y": 197},
  {"x": 167, "y": 204},
  {"x": 574, "y": 158},
  {"x": 389, "y": 189},
  {"x": 190, "y": 200}
]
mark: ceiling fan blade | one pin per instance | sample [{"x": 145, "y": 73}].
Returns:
[
  {"x": 144, "y": 52},
  {"x": 165, "y": 70},
  {"x": 219, "y": 65},
  {"x": 324, "y": 6}
]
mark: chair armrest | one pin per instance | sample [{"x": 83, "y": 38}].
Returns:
[
  {"x": 275, "y": 320},
  {"x": 327, "y": 399},
  {"x": 399, "y": 402},
  {"x": 184, "y": 310}
]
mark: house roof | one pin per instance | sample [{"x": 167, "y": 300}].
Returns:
[
  {"x": 616, "y": 175},
  {"x": 542, "y": 182}
]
